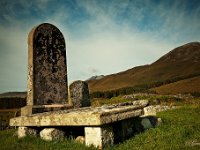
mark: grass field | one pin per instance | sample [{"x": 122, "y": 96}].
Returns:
[
  {"x": 180, "y": 130},
  {"x": 190, "y": 85},
  {"x": 154, "y": 99}
]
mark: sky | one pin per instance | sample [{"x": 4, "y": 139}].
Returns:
[{"x": 102, "y": 36}]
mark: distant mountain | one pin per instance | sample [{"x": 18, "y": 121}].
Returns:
[
  {"x": 13, "y": 94},
  {"x": 93, "y": 78},
  {"x": 180, "y": 66},
  {"x": 180, "y": 63}
]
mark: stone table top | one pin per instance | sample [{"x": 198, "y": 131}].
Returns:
[{"x": 87, "y": 116}]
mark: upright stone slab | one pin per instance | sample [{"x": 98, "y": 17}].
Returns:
[
  {"x": 47, "y": 70},
  {"x": 79, "y": 94}
]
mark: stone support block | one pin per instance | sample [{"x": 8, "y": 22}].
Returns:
[
  {"x": 25, "y": 131},
  {"x": 99, "y": 136},
  {"x": 149, "y": 111},
  {"x": 152, "y": 110}
]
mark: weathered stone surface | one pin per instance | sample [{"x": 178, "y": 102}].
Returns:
[
  {"x": 153, "y": 109},
  {"x": 50, "y": 134},
  {"x": 99, "y": 136},
  {"x": 79, "y": 94},
  {"x": 25, "y": 131},
  {"x": 149, "y": 111},
  {"x": 80, "y": 117},
  {"x": 27, "y": 110},
  {"x": 141, "y": 102},
  {"x": 136, "y": 95},
  {"x": 47, "y": 71}
]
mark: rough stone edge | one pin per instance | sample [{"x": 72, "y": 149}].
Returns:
[
  {"x": 26, "y": 131},
  {"x": 49, "y": 134},
  {"x": 30, "y": 98}
]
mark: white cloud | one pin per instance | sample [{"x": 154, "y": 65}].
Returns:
[
  {"x": 110, "y": 47},
  {"x": 13, "y": 59},
  {"x": 102, "y": 43},
  {"x": 112, "y": 52}
]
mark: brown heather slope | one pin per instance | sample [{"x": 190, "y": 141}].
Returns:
[
  {"x": 181, "y": 62},
  {"x": 190, "y": 85}
]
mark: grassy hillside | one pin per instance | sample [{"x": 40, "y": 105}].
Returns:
[
  {"x": 191, "y": 85},
  {"x": 180, "y": 130},
  {"x": 182, "y": 62}
]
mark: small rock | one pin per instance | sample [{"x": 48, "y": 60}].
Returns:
[
  {"x": 146, "y": 123},
  {"x": 80, "y": 139},
  {"x": 25, "y": 131},
  {"x": 50, "y": 134},
  {"x": 159, "y": 121},
  {"x": 142, "y": 103}
]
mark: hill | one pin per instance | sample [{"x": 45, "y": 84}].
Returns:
[
  {"x": 180, "y": 63},
  {"x": 12, "y": 100},
  {"x": 191, "y": 85},
  {"x": 13, "y": 95},
  {"x": 95, "y": 78}
]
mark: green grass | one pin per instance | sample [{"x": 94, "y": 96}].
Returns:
[
  {"x": 153, "y": 100},
  {"x": 179, "y": 130},
  {"x": 103, "y": 101},
  {"x": 162, "y": 99},
  {"x": 9, "y": 142}
]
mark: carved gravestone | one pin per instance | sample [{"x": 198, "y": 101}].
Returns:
[
  {"x": 79, "y": 94},
  {"x": 47, "y": 69}
]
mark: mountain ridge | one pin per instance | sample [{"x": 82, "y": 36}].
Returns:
[
  {"x": 181, "y": 62},
  {"x": 13, "y": 94},
  {"x": 178, "y": 64}
]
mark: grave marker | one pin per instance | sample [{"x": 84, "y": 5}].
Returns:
[
  {"x": 47, "y": 69},
  {"x": 79, "y": 94}
]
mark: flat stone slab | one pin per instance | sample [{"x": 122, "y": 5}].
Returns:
[
  {"x": 88, "y": 116},
  {"x": 33, "y": 109}
]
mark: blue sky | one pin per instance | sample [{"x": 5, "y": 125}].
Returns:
[{"x": 102, "y": 36}]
